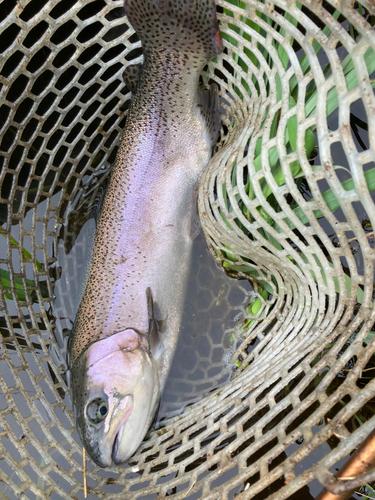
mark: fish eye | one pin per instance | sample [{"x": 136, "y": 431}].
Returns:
[{"x": 97, "y": 410}]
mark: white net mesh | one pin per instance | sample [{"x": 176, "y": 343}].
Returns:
[{"x": 286, "y": 202}]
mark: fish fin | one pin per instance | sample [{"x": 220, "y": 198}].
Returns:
[
  {"x": 183, "y": 25},
  {"x": 150, "y": 303},
  {"x": 209, "y": 109},
  {"x": 162, "y": 325},
  {"x": 131, "y": 76},
  {"x": 155, "y": 344},
  {"x": 154, "y": 341}
]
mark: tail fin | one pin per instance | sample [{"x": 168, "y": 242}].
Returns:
[{"x": 186, "y": 25}]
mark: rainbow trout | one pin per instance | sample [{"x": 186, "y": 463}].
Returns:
[{"x": 128, "y": 320}]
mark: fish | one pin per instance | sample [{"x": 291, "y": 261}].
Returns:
[{"x": 128, "y": 319}]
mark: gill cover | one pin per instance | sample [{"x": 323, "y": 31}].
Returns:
[{"x": 115, "y": 389}]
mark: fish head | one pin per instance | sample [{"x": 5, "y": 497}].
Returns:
[{"x": 115, "y": 388}]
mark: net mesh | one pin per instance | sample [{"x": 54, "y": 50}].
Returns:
[{"x": 286, "y": 203}]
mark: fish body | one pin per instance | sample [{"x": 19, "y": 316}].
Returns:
[{"x": 128, "y": 320}]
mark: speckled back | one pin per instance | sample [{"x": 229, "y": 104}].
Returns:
[{"x": 190, "y": 26}]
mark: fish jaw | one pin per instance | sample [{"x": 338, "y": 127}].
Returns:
[{"x": 118, "y": 375}]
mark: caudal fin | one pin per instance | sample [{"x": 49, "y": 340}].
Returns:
[{"x": 186, "y": 25}]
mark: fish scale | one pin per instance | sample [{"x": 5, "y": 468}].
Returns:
[{"x": 145, "y": 231}]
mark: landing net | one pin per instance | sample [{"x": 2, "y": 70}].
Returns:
[{"x": 286, "y": 203}]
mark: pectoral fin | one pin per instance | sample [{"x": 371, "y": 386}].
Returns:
[
  {"x": 150, "y": 303},
  {"x": 155, "y": 344}
]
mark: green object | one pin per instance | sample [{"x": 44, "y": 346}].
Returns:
[
  {"x": 6, "y": 285},
  {"x": 25, "y": 253}
]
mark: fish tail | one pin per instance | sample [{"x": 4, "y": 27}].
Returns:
[{"x": 189, "y": 26}]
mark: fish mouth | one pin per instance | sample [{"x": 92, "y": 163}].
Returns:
[
  {"x": 117, "y": 440},
  {"x": 116, "y": 445}
]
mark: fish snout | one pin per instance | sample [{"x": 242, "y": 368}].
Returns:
[
  {"x": 102, "y": 425},
  {"x": 132, "y": 424},
  {"x": 115, "y": 397}
]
